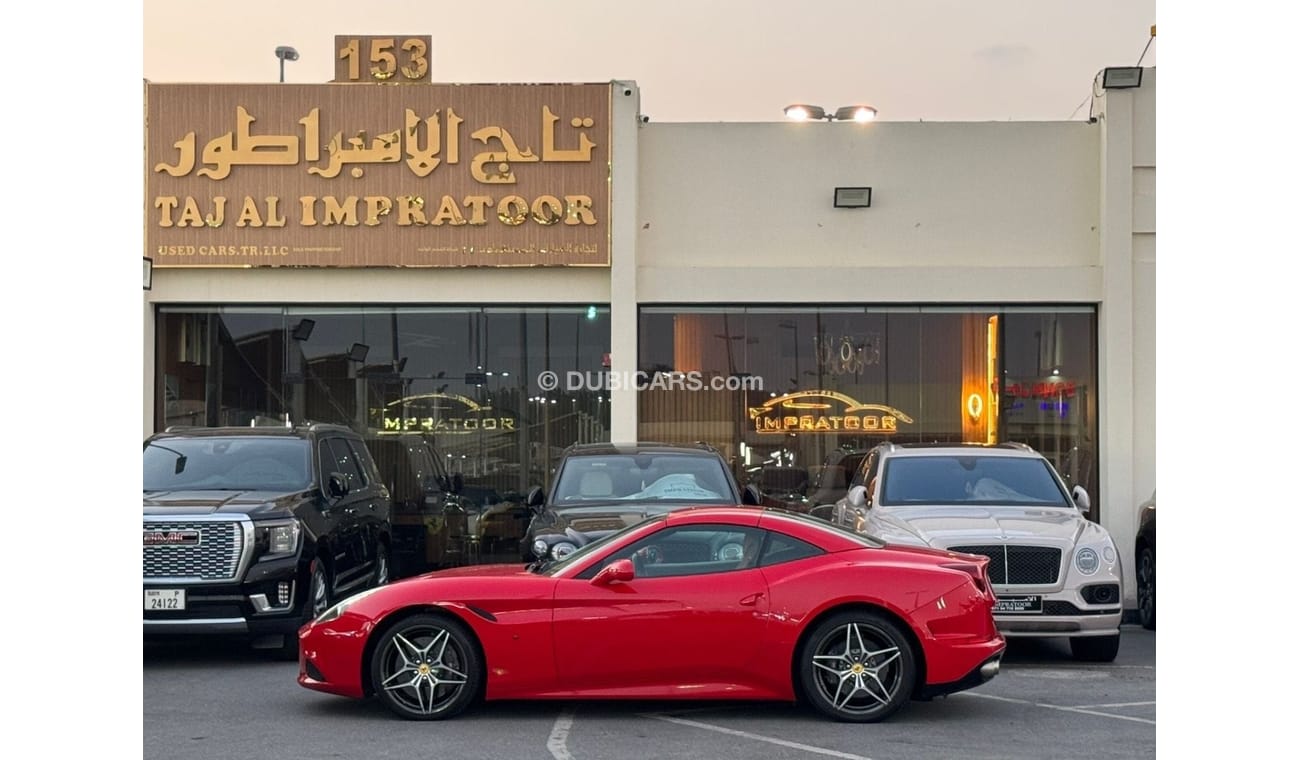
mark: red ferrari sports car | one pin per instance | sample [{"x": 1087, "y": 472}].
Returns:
[{"x": 711, "y": 603}]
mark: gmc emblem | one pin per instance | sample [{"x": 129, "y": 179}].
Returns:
[{"x": 172, "y": 538}]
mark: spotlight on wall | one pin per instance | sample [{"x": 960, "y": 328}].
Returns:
[
  {"x": 1121, "y": 77},
  {"x": 302, "y": 331},
  {"x": 148, "y": 273},
  {"x": 358, "y": 352},
  {"x": 805, "y": 112},
  {"x": 852, "y": 197}
]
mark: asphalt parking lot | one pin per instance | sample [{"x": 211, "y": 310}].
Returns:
[{"x": 223, "y": 700}]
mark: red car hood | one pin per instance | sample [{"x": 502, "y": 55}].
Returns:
[{"x": 475, "y": 571}]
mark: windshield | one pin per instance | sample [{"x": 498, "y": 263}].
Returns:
[
  {"x": 227, "y": 464},
  {"x": 961, "y": 479},
  {"x": 666, "y": 478},
  {"x": 552, "y": 566}
]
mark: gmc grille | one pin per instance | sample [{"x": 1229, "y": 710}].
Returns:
[
  {"x": 215, "y": 558},
  {"x": 1018, "y": 565}
]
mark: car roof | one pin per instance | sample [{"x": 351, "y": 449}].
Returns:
[
  {"x": 180, "y": 431},
  {"x": 616, "y": 449},
  {"x": 1015, "y": 450}
]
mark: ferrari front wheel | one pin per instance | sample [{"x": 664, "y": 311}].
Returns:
[
  {"x": 426, "y": 667},
  {"x": 857, "y": 666}
]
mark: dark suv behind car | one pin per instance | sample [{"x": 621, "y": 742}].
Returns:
[
  {"x": 254, "y": 531},
  {"x": 430, "y": 521},
  {"x": 600, "y": 488}
]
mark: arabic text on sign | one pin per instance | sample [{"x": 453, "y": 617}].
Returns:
[{"x": 241, "y": 147}]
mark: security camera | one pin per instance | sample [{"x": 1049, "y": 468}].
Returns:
[
  {"x": 627, "y": 91},
  {"x": 643, "y": 119}
]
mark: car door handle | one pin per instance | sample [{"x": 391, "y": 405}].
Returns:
[{"x": 752, "y": 599}]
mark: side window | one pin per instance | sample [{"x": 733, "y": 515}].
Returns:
[
  {"x": 366, "y": 465},
  {"x": 869, "y": 468},
  {"x": 782, "y": 548},
  {"x": 690, "y": 550},
  {"x": 337, "y": 457}
]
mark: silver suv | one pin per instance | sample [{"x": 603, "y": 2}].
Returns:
[{"x": 1056, "y": 573}]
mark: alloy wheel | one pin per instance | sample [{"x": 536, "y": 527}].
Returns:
[
  {"x": 860, "y": 670},
  {"x": 425, "y": 669}
]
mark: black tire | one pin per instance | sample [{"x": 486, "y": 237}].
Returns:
[
  {"x": 1146, "y": 588},
  {"x": 1095, "y": 648},
  {"x": 441, "y": 659},
  {"x": 317, "y": 601},
  {"x": 383, "y": 567},
  {"x": 864, "y": 651}
]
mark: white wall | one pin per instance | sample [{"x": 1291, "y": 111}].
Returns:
[
  {"x": 1127, "y": 323},
  {"x": 976, "y": 206}
]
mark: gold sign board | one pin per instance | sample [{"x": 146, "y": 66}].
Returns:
[
  {"x": 824, "y": 412},
  {"x": 440, "y": 413},
  {"x": 341, "y": 175}
]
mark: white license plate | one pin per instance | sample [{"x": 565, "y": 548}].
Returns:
[
  {"x": 164, "y": 599},
  {"x": 1018, "y": 605}
]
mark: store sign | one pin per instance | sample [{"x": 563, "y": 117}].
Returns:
[
  {"x": 824, "y": 412},
  {"x": 339, "y": 175},
  {"x": 442, "y": 413}
]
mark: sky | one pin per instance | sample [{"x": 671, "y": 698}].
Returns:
[{"x": 698, "y": 60}]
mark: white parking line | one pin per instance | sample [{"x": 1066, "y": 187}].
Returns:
[
  {"x": 756, "y": 737},
  {"x": 1062, "y": 708},
  {"x": 1115, "y": 704},
  {"x": 557, "y": 743}
]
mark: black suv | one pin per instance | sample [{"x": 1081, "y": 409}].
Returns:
[
  {"x": 430, "y": 519},
  {"x": 254, "y": 531},
  {"x": 603, "y": 487}
]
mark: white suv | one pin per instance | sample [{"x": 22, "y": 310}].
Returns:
[{"x": 1056, "y": 573}]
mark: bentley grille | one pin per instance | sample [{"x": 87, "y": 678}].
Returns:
[
  {"x": 215, "y": 557},
  {"x": 1018, "y": 565}
]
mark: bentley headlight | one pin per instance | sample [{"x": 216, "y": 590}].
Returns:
[
  {"x": 540, "y": 548},
  {"x": 1087, "y": 561},
  {"x": 563, "y": 549}
]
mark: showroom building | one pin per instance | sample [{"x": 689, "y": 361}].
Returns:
[{"x": 787, "y": 292}]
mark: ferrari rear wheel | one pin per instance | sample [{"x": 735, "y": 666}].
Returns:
[
  {"x": 426, "y": 668},
  {"x": 857, "y": 666}
]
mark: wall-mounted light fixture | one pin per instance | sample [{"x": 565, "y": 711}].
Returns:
[
  {"x": 852, "y": 197},
  {"x": 1121, "y": 77},
  {"x": 805, "y": 112},
  {"x": 148, "y": 273},
  {"x": 358, "y": 352},
  {"x": 974, "y": 405},
  {"x": 302, "y": 330}
]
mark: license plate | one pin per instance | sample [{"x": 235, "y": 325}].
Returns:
[
  {"x": 161, "y": 600},
  {"x": 1018, "y": 605}
]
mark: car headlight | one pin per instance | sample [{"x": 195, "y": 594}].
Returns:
[
  {"x": 540, "y": 548},
  {"x": 1108, "y": 554},
  {"x": 563, "y": 549},
  {"x": 279, "y": 539},
  {"x": 1087, "y": 561}
]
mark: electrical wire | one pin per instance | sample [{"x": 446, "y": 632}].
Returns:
[{"x": 1094, "y": 92}]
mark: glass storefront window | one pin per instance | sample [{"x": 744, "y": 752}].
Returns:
[
  {"x": 465, "y": 377},
  {"x": 824, "y": 384}
]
